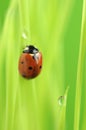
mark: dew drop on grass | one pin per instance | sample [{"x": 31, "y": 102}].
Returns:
[
  {"x": 61, "y": 100},
  {"x": 24, "y": 36}
]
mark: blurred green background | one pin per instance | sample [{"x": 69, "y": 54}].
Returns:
[{"x": 54, "y": 26}]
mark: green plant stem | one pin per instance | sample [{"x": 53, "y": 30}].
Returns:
[{"x": 80, "y": 69}]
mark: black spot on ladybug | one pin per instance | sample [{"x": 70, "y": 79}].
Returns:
[
  {"x": 30, "y": 68},
  {"x": 40, "y": 66},
  {"x": 22, "y": 62},
  {"x": 24, "y": 75}
]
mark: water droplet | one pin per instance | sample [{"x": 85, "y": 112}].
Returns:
[
  {"x": 24, "y": 35},
  {"x": 61, "y": 100}
]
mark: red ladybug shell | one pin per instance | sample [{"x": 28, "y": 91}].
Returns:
[{"x": 30, "y": 64}]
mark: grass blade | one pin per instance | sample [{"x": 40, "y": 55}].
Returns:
[{"x": 80, "y": 69}]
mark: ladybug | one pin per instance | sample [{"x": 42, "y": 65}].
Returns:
[{"x": 30, "y": 62}]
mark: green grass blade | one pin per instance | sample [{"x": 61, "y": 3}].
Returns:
[{"x": 80, "y": 69}]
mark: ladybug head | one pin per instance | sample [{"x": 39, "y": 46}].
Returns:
[{"x": 30, "y": 49}]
